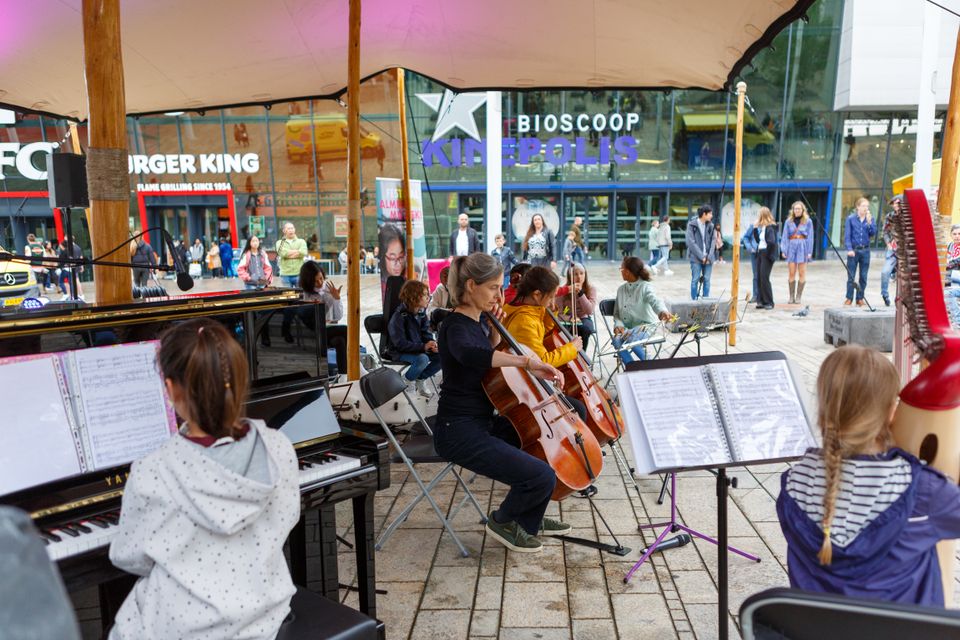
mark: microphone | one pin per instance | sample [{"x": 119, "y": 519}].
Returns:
[
  {"x": 672, "y": 543},
  {"x": 184, "y": 279}
]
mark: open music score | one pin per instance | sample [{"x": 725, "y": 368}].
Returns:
[
  {"x": 80, "y": 411},
  {"x": 709, "y": 415}
]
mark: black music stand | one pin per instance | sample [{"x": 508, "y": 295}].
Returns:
[{"x": 719, "y": 469}]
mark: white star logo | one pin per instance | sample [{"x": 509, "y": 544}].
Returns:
[{"x": 455, "y": 111}]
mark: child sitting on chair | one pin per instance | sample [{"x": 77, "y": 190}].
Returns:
[
  {"x": 861, "y": 517},
  {"x": 516, "y": 275},
  {"x": 636, "y": 308},
  {"x": 205, "y": 516},
  {"x": 410, "y": 337}
]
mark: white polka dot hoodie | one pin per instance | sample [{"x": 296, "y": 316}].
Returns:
[{"x": 207, "y": 540}]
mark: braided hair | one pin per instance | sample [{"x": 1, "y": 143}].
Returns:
[
  {"x": 849, "y": 425},
  {"x": 203, "y": 359}
]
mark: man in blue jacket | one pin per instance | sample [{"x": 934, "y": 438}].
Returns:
[
  {"x": 701, "y": 251},
  {"x": 860, "y": 229}
]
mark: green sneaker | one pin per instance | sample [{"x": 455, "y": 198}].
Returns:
[
  {"x": 551, "y": 527},
  {"x": 513, "y": 537}
]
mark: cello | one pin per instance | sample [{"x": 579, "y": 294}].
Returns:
[
  {"x": 547, "y": 425},
  {"x": 603, "y": 416}
]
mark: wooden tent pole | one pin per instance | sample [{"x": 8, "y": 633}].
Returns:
[
  {"x": 405, "y": 161},
  {"x": 107, "y": 178},
  {"x": 737, "y": 183},
  {"x": 353, "y": 194},
  {"x": 950, "y": 153}
]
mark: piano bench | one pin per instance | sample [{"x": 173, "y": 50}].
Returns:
[{"x": 314, "y": 617}]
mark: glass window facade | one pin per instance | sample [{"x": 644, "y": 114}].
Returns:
[{"x": 617, "y": 159}]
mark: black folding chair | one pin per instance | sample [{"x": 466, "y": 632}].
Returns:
[
  {"x": 655, "y": 340},
  {"x": 791, "y": 614},
  {"x": 380, "y": 387}
]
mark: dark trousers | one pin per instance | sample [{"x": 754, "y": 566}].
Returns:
[
  {"x": 765, "y": 289},
  {"x": 140, "y": 277},
  {"x": 491, "y": 447},
  {"x": 860, "y": 259}
]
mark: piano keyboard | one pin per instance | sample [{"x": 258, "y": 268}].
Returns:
[{"x": 75, "y": 538}]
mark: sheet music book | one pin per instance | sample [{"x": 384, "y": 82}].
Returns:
[
  {"x": 79, "y": 411},
  {"x": 715, "y": 414}
]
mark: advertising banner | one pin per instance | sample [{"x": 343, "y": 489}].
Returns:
[{"x": 391, "y": 237}]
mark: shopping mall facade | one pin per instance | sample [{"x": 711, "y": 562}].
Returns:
[{"x": 618, "y": 159}]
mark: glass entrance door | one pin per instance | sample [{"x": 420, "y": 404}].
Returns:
[
  {"x": 635, "y": 214},
  {"x": 594, "y": 211}
]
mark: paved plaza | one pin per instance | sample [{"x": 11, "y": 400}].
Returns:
[{"x": 571, "y": 592}]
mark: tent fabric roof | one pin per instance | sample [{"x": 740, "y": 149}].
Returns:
[{"x": 189, "y": 54}]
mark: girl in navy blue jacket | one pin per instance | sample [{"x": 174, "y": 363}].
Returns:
[
  {"x": 861, "y": 517},
  {"x": 410, "y": 337}
]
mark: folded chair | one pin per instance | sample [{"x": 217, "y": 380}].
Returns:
[
  {"x": 380, "y": 387},
  {"x": 655, "y": 340}
]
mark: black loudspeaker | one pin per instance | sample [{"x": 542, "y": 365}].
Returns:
[{"x": 67, "y": 180}]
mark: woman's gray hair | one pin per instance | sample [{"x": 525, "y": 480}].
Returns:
[{"x": 479, "y": 267}]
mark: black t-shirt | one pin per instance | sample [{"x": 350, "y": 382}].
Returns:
[{"x": 465, "y": 356}]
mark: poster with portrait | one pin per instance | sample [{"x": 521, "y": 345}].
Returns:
[
  {"x": 392, "y": 243},
  {"x": 749, "y": 211},
  {"x": 524, "y": 209}
]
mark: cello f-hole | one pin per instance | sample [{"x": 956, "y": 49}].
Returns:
[{"x": 546, "y": 422}]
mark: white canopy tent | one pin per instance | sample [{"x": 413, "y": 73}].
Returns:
[{"x": 194, "y": 54}]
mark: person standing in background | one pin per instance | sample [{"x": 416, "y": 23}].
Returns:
[
  {"x": 750, "y": 246},
  {"x": 463, "y": 240},
  {"x": 653, "y": 244},
  {"x": 664, "y": 243},
  {"x": 291, "y": 252},
  {"x": 538, "y": 244},
  {"x": 890, "y": 256},
  {"x": 765, "y": 235},
  {"x": 34, "y": 248},
  {"x": 145, "y": 259},
  {"x": 859, "y": 231},
  {"x": 796, "y": 246},
  {"x": 505, "y": 256},
  {"x": 701, "y": 251},
  {"x": 226, "y": 257}
]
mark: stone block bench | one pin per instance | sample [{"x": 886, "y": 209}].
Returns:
[{"x": 859, "y": 325}]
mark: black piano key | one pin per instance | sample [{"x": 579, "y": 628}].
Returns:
[
  {"x": 52, "y": 537},
  {"x": 67, "y": 529},
  {"x": 82, "y": 527},
  {"x": 98, "y": 522},
  {"x": 112, "y": 517}
]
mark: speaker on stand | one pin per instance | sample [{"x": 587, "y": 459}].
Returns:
[{"x": 67, "y": 187}]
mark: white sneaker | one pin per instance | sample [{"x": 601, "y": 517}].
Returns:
[
  {"x": 668, "y": 272},
  {"x": 423, "y": 390}
]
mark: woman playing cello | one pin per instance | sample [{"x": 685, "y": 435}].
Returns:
[{"x": 466, "y": 431}]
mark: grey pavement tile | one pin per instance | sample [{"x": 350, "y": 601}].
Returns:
[
  {"x": 642, "y": 616},
  {"x": 594, "y": 630},
  {"x": 704, "y": 620},
  {"x": 407, "y": 555},
  {"x": 545, "y": 566},
  {"x": 489, "y": 593},
  {"x": 643, "y": 581},
  {"x": 450, "y": 588},
  {"x": 485, "y": 624},
  {"x": 558, "y": 633},
  {"x": 587, "y": 590},
  {"x": 534, "y": 604},
  {"x": 441, "y": 625},
  {"x": 398, "y": 607}
]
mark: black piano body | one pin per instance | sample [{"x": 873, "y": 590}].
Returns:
[{"x": 84, "y": 510}]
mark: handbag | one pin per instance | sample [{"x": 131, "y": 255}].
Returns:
[{"x": 194, "y": 270}]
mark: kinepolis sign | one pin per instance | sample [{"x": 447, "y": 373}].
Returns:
[{"x": 611, "y": 140}]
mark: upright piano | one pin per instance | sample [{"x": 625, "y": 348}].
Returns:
[{"x": 77, "y": 516}]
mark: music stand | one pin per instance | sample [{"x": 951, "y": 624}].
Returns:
[{"x": 720, "y": 469}]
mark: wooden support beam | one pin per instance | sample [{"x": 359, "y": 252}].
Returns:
[
  {"x": 353, "y": 194},
  {"x": 107, "y": 178},
  {"x": 405, "y": 162},
  {"x": 737, "y": 184}
]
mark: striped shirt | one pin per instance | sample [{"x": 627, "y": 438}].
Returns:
[{"x": 868, "y": 486}]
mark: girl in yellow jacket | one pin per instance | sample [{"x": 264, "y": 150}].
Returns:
[{"x": 528, "y": 322}]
